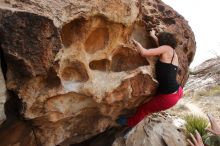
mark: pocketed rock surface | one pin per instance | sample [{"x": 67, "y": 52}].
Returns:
[{"x": 74, "y": 67}]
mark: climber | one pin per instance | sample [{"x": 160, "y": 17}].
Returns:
[{"x": 169, "y": 91}]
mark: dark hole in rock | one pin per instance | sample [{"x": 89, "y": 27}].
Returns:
[
  {"x": 13, "y": 107},
  {"x": 168, "y": 12},
  {"x": 149, "y": 4},
  {"x": 180, "y": 42},
  {"x": 169, "y": 21},
  {"x": 127, "y": 59},
  {"x": 186, "y": 34},
  {"x": 147, "y": 18},
  {"x": 161, "y": 8},
  {"x": 75, "y": 71},
  {"x": 16, "y": 129},
  {"x": 72, "y": 31},
  {"x": 97, "y": 40},
  {"x": 153, "y": 11},
  {"x": 102, "y": 65},
  {"x": 19, "y": 67},
  {"x": 52, "y": 79},
  {"x": 105, "y": 138},
  {"x": 185, "y": 49},
  {"x": 3, "y": 62},
  {"x": 190, "y": 57}
]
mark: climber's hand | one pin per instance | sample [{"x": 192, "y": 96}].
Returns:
[
  {"x": 138, "y": 46},
  {"x": 196, "y": 140},
  {"x": 122, "y": 121},
  {"x": 215, "y": 129},
  {"x": 153, "y": 35}
]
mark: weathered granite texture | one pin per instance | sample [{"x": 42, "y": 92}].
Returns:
[{"x": 73, "y": 65}]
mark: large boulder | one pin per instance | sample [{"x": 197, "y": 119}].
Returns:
[{"x": 73, "y": 65}]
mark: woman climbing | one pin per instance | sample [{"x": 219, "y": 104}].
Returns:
[{"x": 169, "y": 91}]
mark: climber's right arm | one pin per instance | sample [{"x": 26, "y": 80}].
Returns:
[{"x": 149, "y": 52}]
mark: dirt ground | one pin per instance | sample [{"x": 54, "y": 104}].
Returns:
[{"x": 198, "y": 105}]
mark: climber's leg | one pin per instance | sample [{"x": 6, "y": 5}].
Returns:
[{"x": 158, "y": 103}]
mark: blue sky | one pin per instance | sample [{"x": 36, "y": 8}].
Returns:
[{"x": 204, "y": 18}]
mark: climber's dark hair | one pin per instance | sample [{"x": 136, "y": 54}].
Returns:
[{"x": 166, "y": 38}]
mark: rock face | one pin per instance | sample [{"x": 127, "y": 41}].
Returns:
[
  {"x": 204, "y": 76},
  {"x": 3, "y": 96},
  {"x": 156, "y": 130},
  {"x": 73, "y": 65}
]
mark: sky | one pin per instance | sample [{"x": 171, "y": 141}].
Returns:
[{"x": 204, "y": 18}]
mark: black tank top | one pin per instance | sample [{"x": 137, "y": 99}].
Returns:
[{"x": 166, "y": 76}]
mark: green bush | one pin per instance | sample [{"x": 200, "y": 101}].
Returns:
[
  {"x": 194, "y": 122},
  {"x": 213, "y": 141}
]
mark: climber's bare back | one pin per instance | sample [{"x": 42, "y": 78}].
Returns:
[{"x": 168, "y": 54}]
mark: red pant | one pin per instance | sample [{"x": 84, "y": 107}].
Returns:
[{"x": 158, "y": 103}]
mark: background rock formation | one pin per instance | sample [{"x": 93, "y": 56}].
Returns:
[
  {"x": 204, "y": 76},
  {"x": 73, "y": 66}
]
